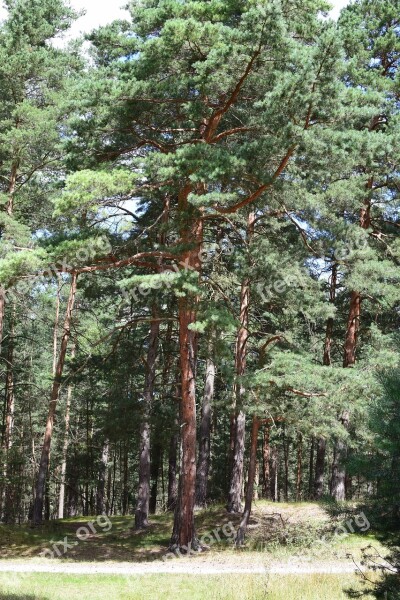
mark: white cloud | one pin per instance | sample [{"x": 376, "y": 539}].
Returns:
[
  {"x": 337, "y": 7},
  {"x": 97, "y": 13}
]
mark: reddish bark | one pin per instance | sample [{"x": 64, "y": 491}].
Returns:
[
  {"x": 45, "y": 456},
  {"x": 183, "y": 535},
  {"x": 266, "y": 464},
  {"x": 250, "y": 482},
  {"x": 236, "y": 481},
  {"x": 329, "y": 323},
  {"x": 353, "y": 324}
]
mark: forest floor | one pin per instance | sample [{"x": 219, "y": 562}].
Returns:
[{"x": 319, "y": 546}]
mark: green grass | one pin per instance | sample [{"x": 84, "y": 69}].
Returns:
[
  {"x": 121, "y": 543},
  {"x": 276, "y": 532},
  {"x": 47, "y": 586}
]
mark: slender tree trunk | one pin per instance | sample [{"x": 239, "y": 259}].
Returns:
[
  {"x": 232, "y": 428},
  {"x": 235, "y": 490},
  {"x": 9, "y": 391},
  {"x": 172, "y": 472},
  {"x": 311, "y": 469},
  {"x": 143, "y": 497},
  {"x": 101, "y": 483},
  {"x": 44, "y": 460},
  {"x": 183, "y": 535},
  {"x": 236, "y": 482},
  {"x": 11, "y": 188},
  {"x": 125, "y": 489},
  {"x": 250, "y": 482},
  {"x": 338, "y": 483},
  {"x": 9, "y": 395},
  {"x": 203, "y": 465},
  {"x": 55, "y": 343},
  {"x": 7, "y": 493},
  {"x": 286, "y": 444},
  {"x": 61, "y": 497},
  {"x": 173, "y": 462},
  {"x": 47, "y": 494},
  {"x": 2, "y": 312},
  {"x": 353, "y": 322},
  {"x": 319, "y": 468},
  {"x": 327, "y": 358},
  {"x": 299, "y": 467},
  {"x": 348, "y": 486},
  {"x": 274, "y": 474},
  {"x": 266, "y": 464},
  {"x": 114, "y": 479},
  {"x": 184, "y": 531},
  {"x": 256, "y": 481},
  {"x": 109, "y": 487},
  {"x": 156, "y": 461}
]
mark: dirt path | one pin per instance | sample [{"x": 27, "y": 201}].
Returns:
[{"x": 176, "y": 566}]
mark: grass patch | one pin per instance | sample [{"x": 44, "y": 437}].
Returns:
[
  {"x": 276, "y": 532},
  {"x": 47, "y": 586}
]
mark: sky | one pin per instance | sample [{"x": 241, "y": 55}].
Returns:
[{"x": 101, "y": 12}]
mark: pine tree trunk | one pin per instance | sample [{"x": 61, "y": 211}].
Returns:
[
  {"x": 348, "y": 486},
  {"x": 353, "y": 322},
  {"x": 266, "y": 465},
  {"x": 203, "y": 465},
  {"x": 183, "y": 534},
  {"x": 286, "y": 444},
  {"x": 7, "y": 493},
  {"x": 143, "y": 496},
  {"x": 45, "y": 455},
  {"x": 2, "y": 313},
  {"x": 156, "y": 464},
  {"x": 240, "y": 536},
  {"x": 235, "y": 490},
  {"x": 299, "y": 467},
  {"x": 236, "y": 481},
  {"x": 109, "y": 487},
  {"x": 338, "y": 483},
  {"x": 256, "y": 481},
  {"x": 61, "y": 497},
  {"x": 319, "y": 468},
  {"x": 327, "y": 359},
  {"x": 101, "y": 483},
  {"x": 172, "y": 472},
  {"x": 47, "y": 494},
  {"x": 72, "y": 490},
  {"x": 9, "y": 387},
  {"x": 274, "y": 474},
  {"x": 125, "y": 480},
  {"x": 311, "y": 469},
  {"x": 9, "y": 392}
]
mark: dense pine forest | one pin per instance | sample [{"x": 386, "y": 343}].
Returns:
[{"x": 199, "y": 260}]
